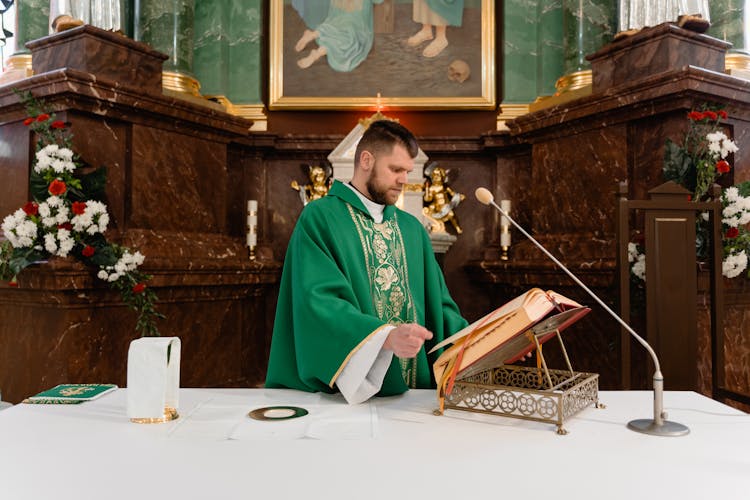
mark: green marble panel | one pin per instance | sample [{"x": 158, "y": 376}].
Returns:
[
  {"x": 127, "y": 17},
  {"x": 730, "y": 21},
  {"x": 588, "y": 25},
  {"x": 167, "y": 27},
  {"x": 245, "y": 48},
  {"x": 32, "y": 22},
  {"x": 519, "y": 51},
  {"x": 211, "y": 46},
  {"x": 549, "y": 46}
]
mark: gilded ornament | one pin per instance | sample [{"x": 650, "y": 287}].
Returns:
[
  {"x": 440, "y": 200},
  {"x": 321, "y": 178}
]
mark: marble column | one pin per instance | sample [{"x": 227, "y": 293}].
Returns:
[
  {"x": 168, "y": 27},
  {"x": 32, "y": 22},
  {"x": 228, "y": 54},
  {"x": 730, "y": 21},
  {"x": 532, "y": 54},
  {"x": 245, "y": 50},
  {"x": 520, "y": 44},
  {"x": 211, "y": 50},
  {"x": 127, "y": 17},
  {"x": 549, "y": 46},
  {"x": 587, "y": 26}
]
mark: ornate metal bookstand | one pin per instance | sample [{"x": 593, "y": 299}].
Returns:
[{"x": 537, "y": 394}]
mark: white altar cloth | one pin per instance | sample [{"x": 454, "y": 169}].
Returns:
[{"x": 92, "y": 451}]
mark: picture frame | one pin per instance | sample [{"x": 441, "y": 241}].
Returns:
[{"x": 393, "y": 74}]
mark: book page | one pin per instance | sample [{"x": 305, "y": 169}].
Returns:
[{"x": 501, "y": 311}]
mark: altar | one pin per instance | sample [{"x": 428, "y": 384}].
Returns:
[{"x": 387, "y": 448}]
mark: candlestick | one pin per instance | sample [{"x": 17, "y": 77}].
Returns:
[
  {"x": 504, "y": 230},
  {"x": 251, "y": 238}
]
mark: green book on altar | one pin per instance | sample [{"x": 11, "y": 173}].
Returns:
[{"x": 71, "y": 393}]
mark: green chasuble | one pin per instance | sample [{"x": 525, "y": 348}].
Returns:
[{"x": 345, "y": 278}]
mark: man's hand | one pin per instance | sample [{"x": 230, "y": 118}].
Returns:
[{"x": 406, "y": 340}]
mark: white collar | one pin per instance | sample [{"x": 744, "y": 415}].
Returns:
[{"x": 375, "y": 209}]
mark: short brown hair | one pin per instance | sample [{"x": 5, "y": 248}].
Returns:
[{"x": 382, "y": 135}]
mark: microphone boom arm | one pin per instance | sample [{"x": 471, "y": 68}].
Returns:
[{"x": 659, "y": 425}]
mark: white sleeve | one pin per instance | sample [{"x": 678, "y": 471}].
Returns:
[{"x": 363, "y": 375}]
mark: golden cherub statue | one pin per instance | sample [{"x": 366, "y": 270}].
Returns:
[
  {"x": 440, "y": 199},
  {"x": 320, "y": 182}
]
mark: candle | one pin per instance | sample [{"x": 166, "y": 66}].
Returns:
[
  {"x": 505, "y": 206},
  {"x": 505, "y": 239},
  {"x": 252, "y": 223}
]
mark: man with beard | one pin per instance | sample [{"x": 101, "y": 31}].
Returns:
[{"x": 362, "y": 297}]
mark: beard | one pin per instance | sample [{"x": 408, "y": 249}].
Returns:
[{"x": 377, "y": 194}]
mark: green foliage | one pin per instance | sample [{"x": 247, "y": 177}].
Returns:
[{"x": 679, "y": 166}]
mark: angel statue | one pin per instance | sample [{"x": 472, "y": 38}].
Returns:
[
  {"x": 320, "y": 181},
  {"x": 440, "y": 199}
]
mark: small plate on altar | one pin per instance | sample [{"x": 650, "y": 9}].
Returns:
[{"x": 277, "y": 413}]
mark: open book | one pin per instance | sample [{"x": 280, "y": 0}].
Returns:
[{"x": 505, "y": 335}]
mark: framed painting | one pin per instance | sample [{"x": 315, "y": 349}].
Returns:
[{"x": 369, "y": 54}]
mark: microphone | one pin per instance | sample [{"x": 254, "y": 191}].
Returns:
[{"x": 658, "y": 426}]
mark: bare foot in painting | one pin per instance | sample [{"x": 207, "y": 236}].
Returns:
[
  {"x": 313, "y": 56},
  {"x": 435, "y": 47},
  {"x": 421, "y": 36},
  {"x": 307, "y": 37}
]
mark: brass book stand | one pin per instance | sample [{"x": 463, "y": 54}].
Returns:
[{"x": 538, "y": 394}]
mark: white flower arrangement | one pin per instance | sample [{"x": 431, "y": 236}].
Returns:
[
  {"x": 52, "y": 156},
  {"x": 637, "y": 261},
  {"x": 67, "y": 218},
  {"x": 736, "y": 211},
  {"x": 20, "y": 230},
  {"x": 93, "y": 220},
  {"x": 720, "y": 145},
  {"x": 734, "y": 264}
]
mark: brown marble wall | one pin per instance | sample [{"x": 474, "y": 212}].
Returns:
[
  {"x": 180, "y": 175},
  {"x": 579, "y": 150},
  {"x": 177, "y": 190}
]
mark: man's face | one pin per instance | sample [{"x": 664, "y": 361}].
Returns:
[{"x": 389, "y": 174}]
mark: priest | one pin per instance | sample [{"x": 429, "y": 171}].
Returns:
[{"x": 362, "y": 297}]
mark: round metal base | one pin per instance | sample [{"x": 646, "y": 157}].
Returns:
[{"x": 668, "y": 428}]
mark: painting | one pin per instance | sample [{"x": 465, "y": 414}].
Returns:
[{"x": 373, "y": 54}]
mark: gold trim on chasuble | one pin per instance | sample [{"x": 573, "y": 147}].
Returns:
[{"x": 387, "y": 270}]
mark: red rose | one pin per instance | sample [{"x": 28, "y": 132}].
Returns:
[
  {"x": 58, "y": 124},
  {"x": 690, "y": 197},
  {"x": 66, "y": 225},
  {"x": 732, "y": 232},
  {"x": 57, "y": 187},
  {"x": 723, "y": 114},
  {"x": 79, "y": 207},
  {"x": 722, "y": 167},
  {"x": 42, "y": 118},
  {"x": 695, "y": 115},
  {"x": 710, "y": 114},
  {"x": 139, "y": 288},
  {"x": 31, "y": 208},
  {"x": 88, "y": 251},
  {"x": 28, "y": 121}
]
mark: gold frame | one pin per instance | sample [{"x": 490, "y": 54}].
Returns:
[{"x": 277, "y": 100}]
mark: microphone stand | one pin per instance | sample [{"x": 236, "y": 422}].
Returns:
[{"x": 657, "y": 426}]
